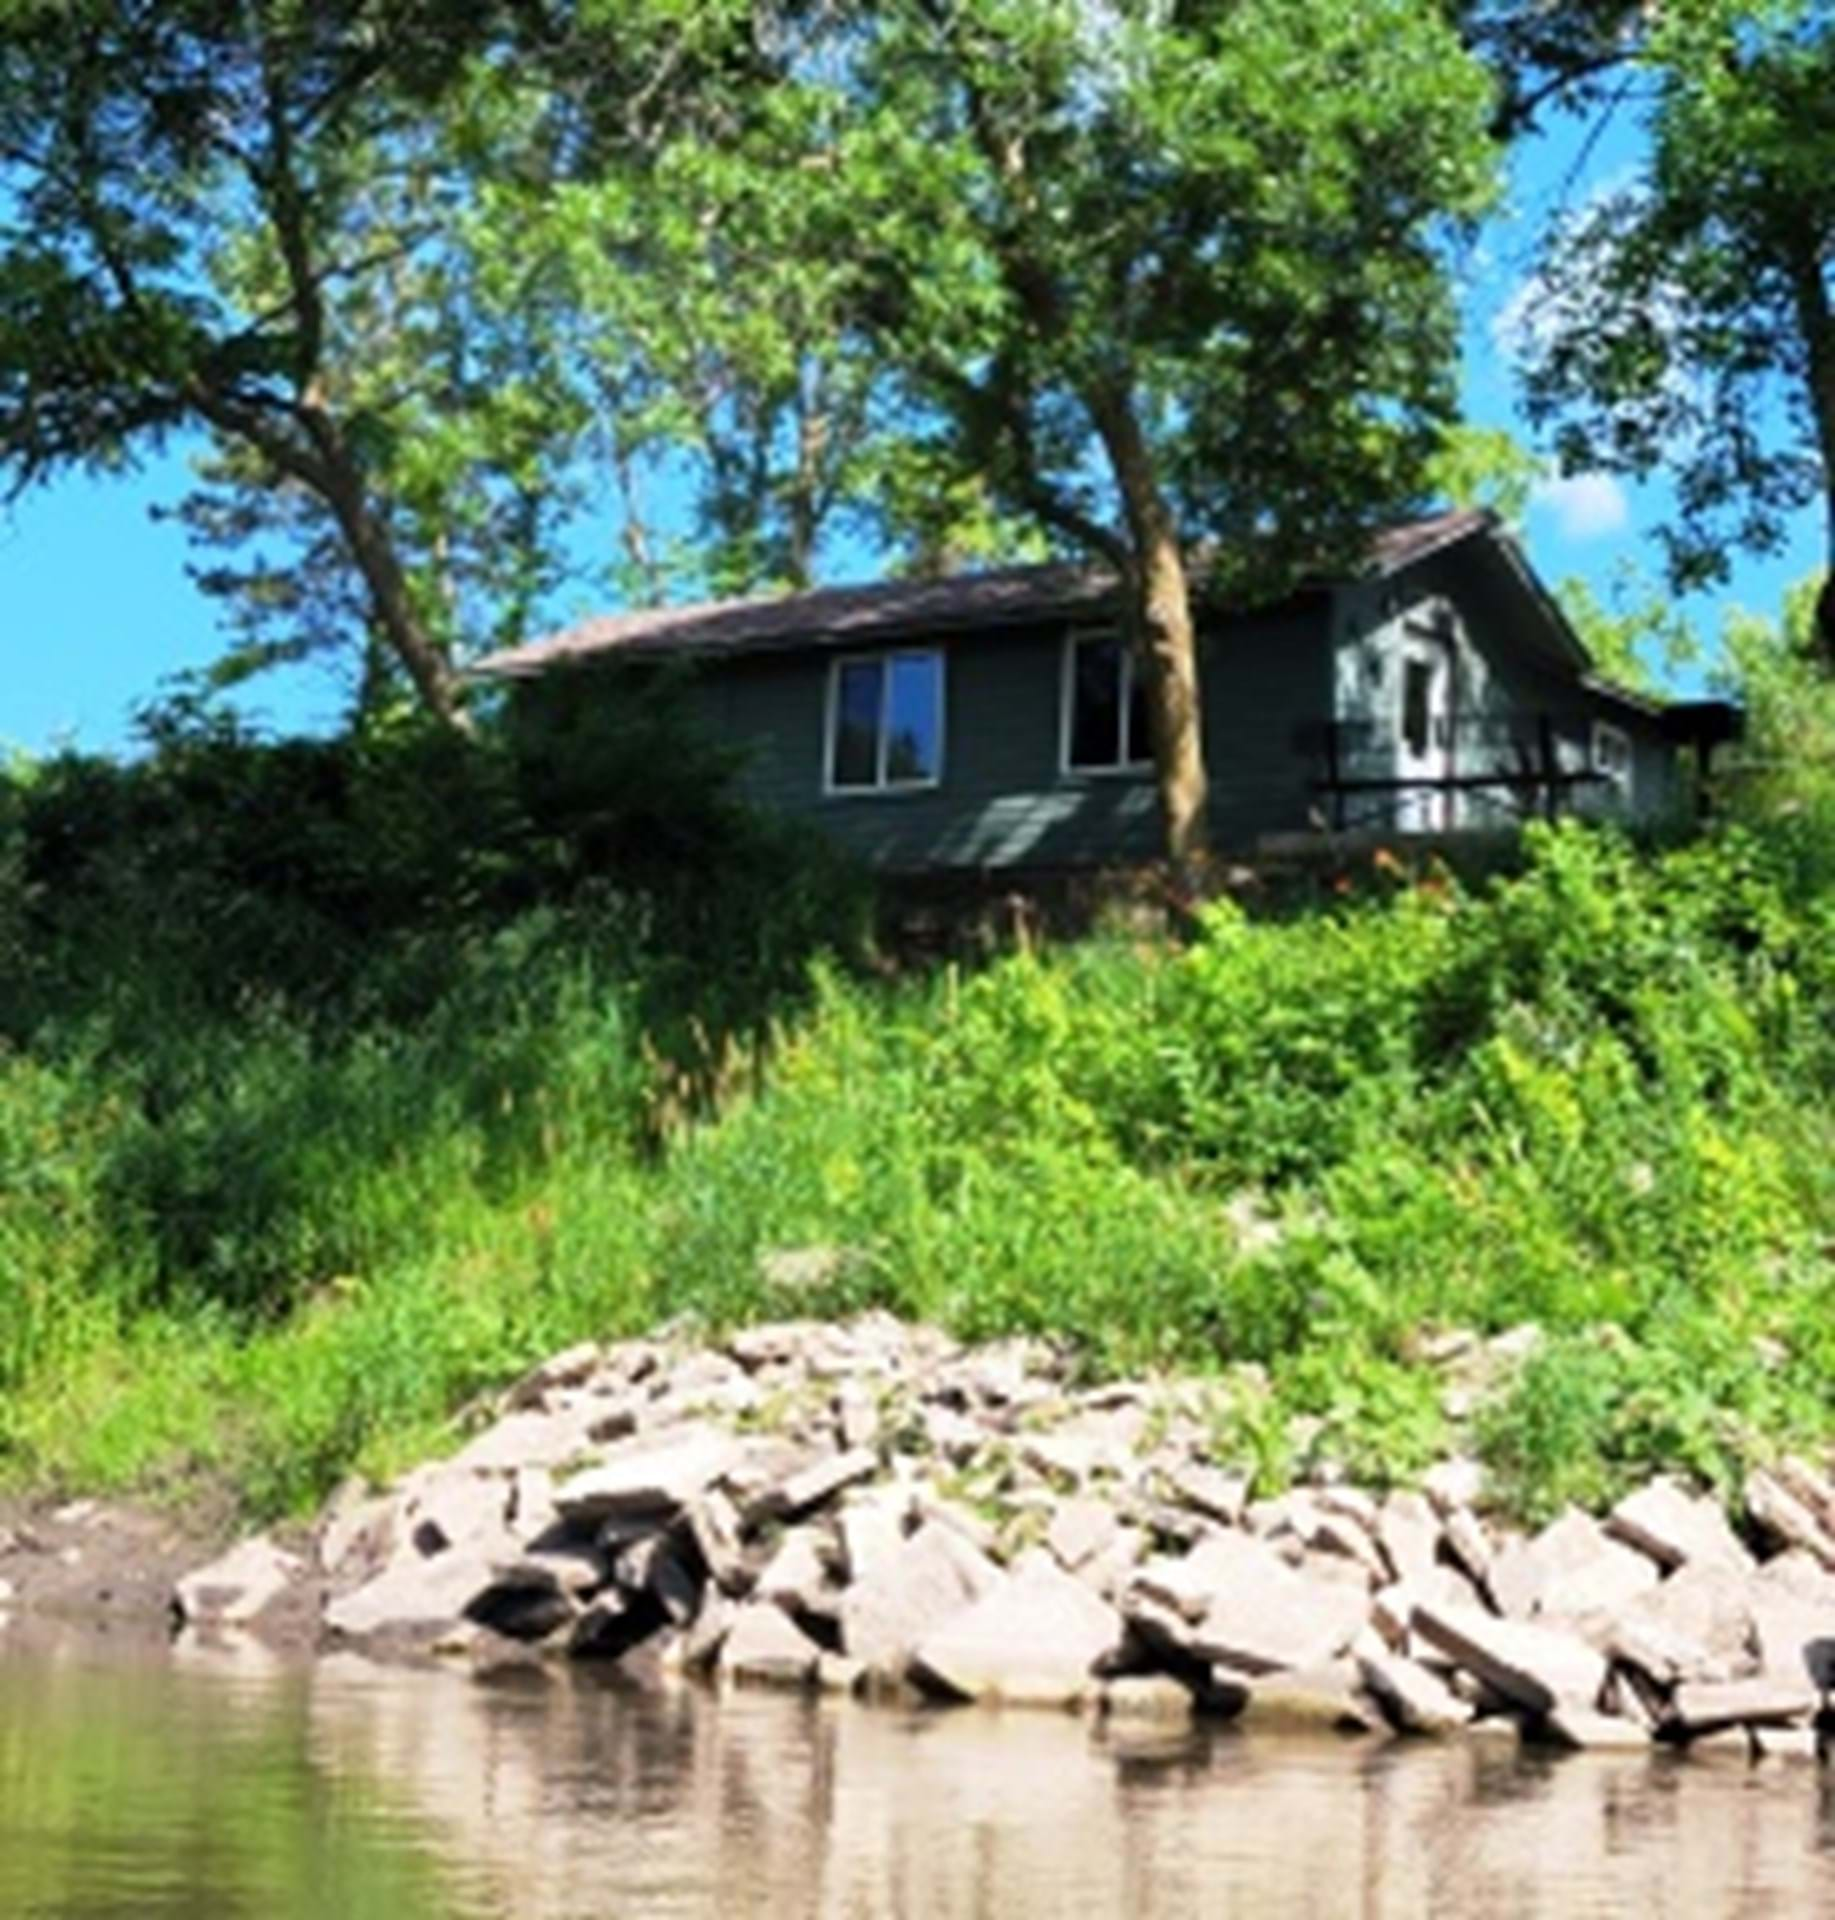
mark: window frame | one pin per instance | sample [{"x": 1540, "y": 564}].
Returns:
[
  {"x": 1125, "y": 769},
  {"x": 881, "y": 788},
  {"x": 1604, "y": 730}
]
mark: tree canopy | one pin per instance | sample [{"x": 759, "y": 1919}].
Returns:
[{"x": 1686, "y": 322}]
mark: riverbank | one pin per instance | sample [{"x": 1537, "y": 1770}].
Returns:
[{"x": 873, "y": 1508}]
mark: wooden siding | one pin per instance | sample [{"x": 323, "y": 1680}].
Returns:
[{"x": 1003, "y": 799}]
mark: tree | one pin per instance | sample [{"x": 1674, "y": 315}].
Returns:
[
  {"x": 1146, "y": 278},
  {"x": 1686, "y": 323},
  {"x": 267, "y": 221}
]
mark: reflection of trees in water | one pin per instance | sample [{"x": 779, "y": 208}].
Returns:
[{"x": 569, "y": 1799}]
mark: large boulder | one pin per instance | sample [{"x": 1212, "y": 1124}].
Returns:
[
  {"x": 935, "y": 1574},
  {"x": 654, "y": 1475},
  {"x": 1036, "y": 1639},
  {"x": 1531, "y": 1666},
  {"x": 1677, "y": 1528}
]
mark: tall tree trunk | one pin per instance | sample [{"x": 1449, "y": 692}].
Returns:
[
  {"x": 373, "y": 551},
  {"x": 1164, "y": 637},
  {"x": 1816, "y": 323}
]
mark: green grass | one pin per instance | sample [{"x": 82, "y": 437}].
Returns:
[{"x": 262, "y": 1246}]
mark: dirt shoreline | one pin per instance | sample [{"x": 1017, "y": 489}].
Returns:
[{"x": 106, "y": 1566}]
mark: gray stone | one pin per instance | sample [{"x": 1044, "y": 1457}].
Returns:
[
  {"x": 1700, "y": 1707},
  {"x": 1210, "y": 1491},
  {"x": 1034, "y": 1640},
  {"x": 233, "y": 1589},
  {"x": 812, "y": 1486},
  {"x": 1080, "y": 1530},
  {"x": 1261, "y": 1617},
  {"x": 713, "y": 1526},
  {"x": 765, "y": 1647},
  {"x": 1413, "y": 1697},
  {"x": 1696, "y": 1625},
  {"x": 1454, "y": 1485},
  {"x": 657, "y": 1568},
  {"x": 1675, "y": 1527},
  {"x": 1530, "y": 1665},
  {"x": 856, "y": 1415},
  {"x": 571, "y": 1367},
  {"x": 796, "y": 1573},
  {"x": 1779, "y": 1513},
  {"x": 935, "y": 1575},
  {"x": 1468, "y": 1544},
  {"x": 1330, "y": 1695},
  {"x": 871, "y": 1529},
  {"x": 1521, "y": 1574},
  {"x": 654, "y": 1474},
  {"x": 417, "y": 1596},
  {"x": 1339, "y": 1536},
  {"x": 1408, "y": 1531},
  {"x": 1569, "y": 1725}
]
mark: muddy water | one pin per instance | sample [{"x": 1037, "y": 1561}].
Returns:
[{"x": 149, "y": 1785}]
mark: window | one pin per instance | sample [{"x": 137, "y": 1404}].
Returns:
[
  {"x": 1105, "y": 707},
  {"x": 1612, "y": 754},
  {"x": 885, "y": 722},
  {"x": 1417, "y": 706}
]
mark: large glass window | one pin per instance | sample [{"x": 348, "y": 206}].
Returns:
[
  {"x": 885, "y": 722},
  {"x": 1105, "y": 707}
]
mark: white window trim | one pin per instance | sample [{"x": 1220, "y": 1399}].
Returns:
[
  {"x": 882, "y": 788},
  {"x": 1604, "y": 731},
  {"x": 1067, "y": 688}
]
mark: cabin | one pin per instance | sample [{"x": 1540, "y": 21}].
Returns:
[{"x": 993, "y": 721}]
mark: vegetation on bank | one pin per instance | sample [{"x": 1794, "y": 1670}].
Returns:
[{"x": 337, "y": 1083}]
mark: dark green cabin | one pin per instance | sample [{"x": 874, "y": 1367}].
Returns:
[{"x": 988, "y": 721}]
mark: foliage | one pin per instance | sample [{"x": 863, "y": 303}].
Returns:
[
  {"x": 1686, "y": 322},
  {"x": 267, "y": 1224}
]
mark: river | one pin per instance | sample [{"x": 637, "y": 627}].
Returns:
[{"x": 214, "y": 1786}]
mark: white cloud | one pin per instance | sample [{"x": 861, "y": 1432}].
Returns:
[{"x": 1585, "y": 506}]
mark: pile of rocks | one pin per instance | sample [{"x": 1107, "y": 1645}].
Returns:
[{"x": 872, "y": 1507}]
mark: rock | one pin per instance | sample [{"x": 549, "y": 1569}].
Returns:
[
  {"x": 856, "y": 1415},
  {"x": 1146, "y": 1696},
  {"x": 812, "y": 1486},
  {"x": 571, "y": 1367},
  {"x": 936, "y": 1574},
  {"x": 1533, "y": 1666},
  {"x": 1408, "y": 1532},
  {"x": 357, "y": 1532},
  {"x": 1330, "y": 1695},
  {"x": 1080, "y": 1530},
  {"x": 837, "y": 1673},
  {"x": 233, "y": 1589},
  {"x": 523, "y": 1601},
  {"x": 871, "y": 1530},
  {"x": 1569, "y": 1725},
  {"x": 1811, "y": 1488},
  {"x": 1675, "y": 1527},
  {"x": 765, "y": 1647},
  {"x": 1700, "y": 1707},
  {"x": 655, "y": 1475},
  {"x": 1454, "y": 1485},
  {"x": 1696, "y": 1625},
  {"x": 1034, "y": 1640},
  {"x": 1571, "y": 1568},
  {"x": 706, "y": 1634},
  {"x": 713, "y": 1527},
  {"x": 1414, "y": 1699},
  {"x": 1466, "y": 1541},
  {"x": 795, "y": 1575},
  {"x": 418, "y": 1596},
  {"x": 1209, "y": 1491},
  {"x": 1259, "y": 1616},
  {"x": 1780, "y": 1514},
  {"x": 534, "y": 1437},
  {"x": 657, "y": 1569},
  {"x": 442, "y": 1507}
]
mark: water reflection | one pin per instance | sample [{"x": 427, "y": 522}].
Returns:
[{"x": 218, "y": 1787}]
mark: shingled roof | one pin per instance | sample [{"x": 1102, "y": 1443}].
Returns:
[{"x": 893, "y": 609}]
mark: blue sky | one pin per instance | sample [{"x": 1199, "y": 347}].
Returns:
[{"x": 99, "y": 607}]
